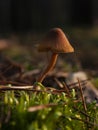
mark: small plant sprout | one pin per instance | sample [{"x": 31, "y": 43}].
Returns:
[{"x": 56, "y": 42}]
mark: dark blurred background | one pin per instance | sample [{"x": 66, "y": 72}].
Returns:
[{"x": 37, "y": 15}]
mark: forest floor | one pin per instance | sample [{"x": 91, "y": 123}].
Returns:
[{"x": 21, "y": 63}]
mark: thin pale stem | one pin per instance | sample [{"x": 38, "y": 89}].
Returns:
[{"x": 49, "y": 67}]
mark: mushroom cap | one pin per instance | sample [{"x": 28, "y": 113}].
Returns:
[{"x": 56, "y": 42}]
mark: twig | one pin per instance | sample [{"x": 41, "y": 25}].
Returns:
[
  {"x": 73, "y": 85},
  {"x": 3, "y": 87},
  {"x": 84, "y": 104},
  {"x": 58, "y": 83},
  {"x": 85, "y": 121},
  {"x": 30, "y": 88},
  {"x": 82, "y": 112},
  {"x": 83, "y": 100},
  {"x": 12, "y": 82},
  {"x": 40, "y": 107},
  {"x": 66, "y": 89}
]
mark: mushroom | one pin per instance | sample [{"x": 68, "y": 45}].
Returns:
[{"x": 56, "y": 42}]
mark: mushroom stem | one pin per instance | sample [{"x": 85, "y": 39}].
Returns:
[{"x": 49, "y": 67}]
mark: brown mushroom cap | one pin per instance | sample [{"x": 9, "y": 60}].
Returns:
[{"x": 56, "y": 42}]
